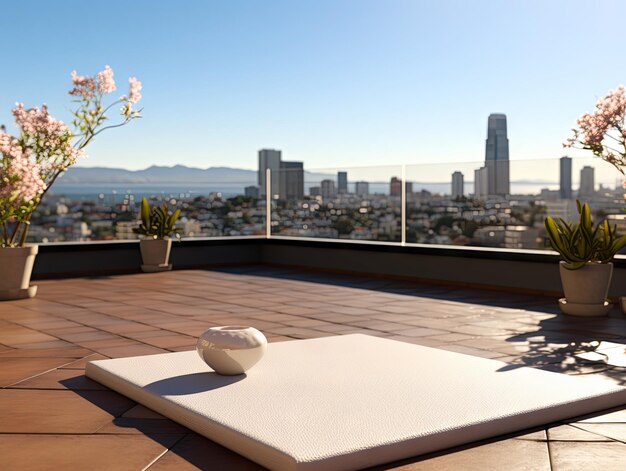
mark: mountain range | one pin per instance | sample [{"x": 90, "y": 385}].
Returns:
[{"x": 157, "y": 174}]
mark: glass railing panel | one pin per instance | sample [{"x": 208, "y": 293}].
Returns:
[
  {"x": 504, "y": 204},
  {"x": 73, "y": 211},
  {"x": 339, "y": 203}
]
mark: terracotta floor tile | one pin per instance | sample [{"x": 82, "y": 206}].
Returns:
[
  {"x": 128, "y": 425},
  {"x": 122, "y": 315},
  {"x": 82, "y": 363},
  {"x": 509, "y": 455},
  {"x": 567, "y": 456},
  {"x": 615, "y": 431},
  {"x": 130, "y": 351},
  {"x": 60, "y": 379},
  {"x": 568, "y": 433},
  {"x": 48, "y": 411},
  {"x": 68, "y": 352},
  {"x": 197, "y": 453},
  {"x": 13, "y": 370},
  {"x": 79, "y": 452},
  {"x": 141, "y": 412}
]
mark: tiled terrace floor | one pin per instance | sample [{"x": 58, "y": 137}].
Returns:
[{"x": 52, "y": 417}]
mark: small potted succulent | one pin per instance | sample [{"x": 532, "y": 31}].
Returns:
[
  {"x": 586, "y": 268},
  {"x": 157, "y": 227}
]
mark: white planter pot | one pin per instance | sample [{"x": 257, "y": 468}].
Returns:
[
  {"x": 231, "y": 350},
  {"x": 16, "y": 266},
  {"x": 587, "y": 285},
  {"x": 155, "y": 254}
]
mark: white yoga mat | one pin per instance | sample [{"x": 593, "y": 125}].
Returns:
[{"x": 348, "y": 402}]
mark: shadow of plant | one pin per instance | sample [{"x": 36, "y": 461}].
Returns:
[{"x": 575, "y": 346}]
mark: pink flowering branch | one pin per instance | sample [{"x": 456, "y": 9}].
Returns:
[
  {"x": 604, "y": 124},
  {"x": 46, "y": 147}
]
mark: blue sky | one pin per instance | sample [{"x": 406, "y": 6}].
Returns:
[{"x": 335, "y": 83}]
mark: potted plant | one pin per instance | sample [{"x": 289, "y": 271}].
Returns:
[
  {"x": 42, "y": 150},
  {"x": 586, "y": 268},
  {"x": 157, "y": 227}
]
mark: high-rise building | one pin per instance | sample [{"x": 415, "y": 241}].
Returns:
[
  {"x": 269, "y": 158},
  {"x": 291, "y": 180},
  {"x": 565, "y": 181},
  {"x": 328, "y": 189},
  {"x": 342, "y": 182},
  {"x": 395, "y": 187},
  {"x": 497, "y": 156},
  {"x": 362, "y": 188},
  {"x": 481, "y": 183},
  {"x": 587, "y": 181},
  {"x": 251, "y": 191},
  {"x": 457, "y": 185}
]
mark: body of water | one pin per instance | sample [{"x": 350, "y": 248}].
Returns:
[{"x": 117, "y": 191}]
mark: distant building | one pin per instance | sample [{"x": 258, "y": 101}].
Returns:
[
  {"x": 287, "y": 177},
  {"x": 587, "y": 182},
  {"x": 251, "y": 191},
  {"x": 291, "y": 181},
  {"x": 457, "y": 185},
  {"x": 521, "y": 237},
  {"x": 395, "y": 187},
  {"x": 315, "y": 191},
  {"x": 481, "y": 184},
  {"x": 563, "y": 209},
  {"x": 362, "y": 188},
  {"x": 269, "y": 158},
  {"x": 409, "y": 187},
  {"x": 328, "y": 190},
  {"x": 342, "y": 182},
  {"x": 497, "y": 156},
  {"x": 565, "y": 181}
]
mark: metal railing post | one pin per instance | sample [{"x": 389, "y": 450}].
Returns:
[
  {"x": 268, "y": 203},
  {"x": 403, "y": 199}
]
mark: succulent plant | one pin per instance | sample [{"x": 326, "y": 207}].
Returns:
[
  {"x": 157, "y": 222},
  {"x": 581, "y": 243}
]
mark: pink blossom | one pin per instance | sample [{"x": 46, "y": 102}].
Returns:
[
  {"x": 20, "y": 177},
  {"x": 83, "y": 85},
  {"x": 134, "y": 94},
  {"x": 106, "y": 84},
  {"x": 602, "y": 131}
]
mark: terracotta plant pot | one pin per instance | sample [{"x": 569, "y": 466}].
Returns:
[
  {"x": 16, "y": 266},
  {"x": 587, "y": 285},
  {"x": 155, "y": 254}
]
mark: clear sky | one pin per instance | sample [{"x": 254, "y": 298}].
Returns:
[{"x": 335, "y": 83}]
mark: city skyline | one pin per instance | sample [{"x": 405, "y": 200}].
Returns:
[{"x": 350, "y": 83}]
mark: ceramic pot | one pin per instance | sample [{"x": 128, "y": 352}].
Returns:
[
  {"x": 231, "y": 350},
  {"x": 16, "y": 266},
  {"x": 155, "y": 254},
  {"x": 587, "y": 285}
]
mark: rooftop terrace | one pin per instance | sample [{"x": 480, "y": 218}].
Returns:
[{"x": 55, "y": 418}]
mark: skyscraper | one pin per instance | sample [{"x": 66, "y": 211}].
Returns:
[
  {"x": 342, "y": 182},
  {"x": 497, "y": 156},
  {"x": 481, "y": 183},
  {"x": 328, "y": 189},
  {"x": 457, "y": 185},
  {"x": 395, "y": 187},
  {"x": 565, "y": 182},
  {"x": 291, "y": 181},
  {"x": 269, "y": 158},
  {"x": 587, "y": 181},
  {"x": 362, "y": 188}
]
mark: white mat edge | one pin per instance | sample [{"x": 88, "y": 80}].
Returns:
[
  {"x": 277, "y": 460},
  {"x": 254, "y": 450}
]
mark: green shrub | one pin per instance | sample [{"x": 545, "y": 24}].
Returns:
[
  {"x": 581, "y": 243},
  {"x": 157, "y": 222}
]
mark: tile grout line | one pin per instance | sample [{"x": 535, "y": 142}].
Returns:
[{"x": 164, "y": 453}]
